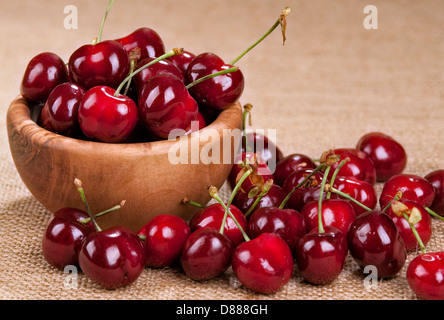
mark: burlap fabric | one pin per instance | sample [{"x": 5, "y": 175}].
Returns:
[{"x": 333, "y": 81}]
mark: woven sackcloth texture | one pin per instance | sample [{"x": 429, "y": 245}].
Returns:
[{"x": 332, "y": 81}]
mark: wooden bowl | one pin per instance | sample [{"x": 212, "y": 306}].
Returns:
[{"x": 140, "y": 173}]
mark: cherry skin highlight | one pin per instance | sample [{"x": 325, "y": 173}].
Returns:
[{"x": 425, "y": 275}]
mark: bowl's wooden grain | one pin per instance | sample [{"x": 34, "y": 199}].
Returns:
[{"x": 139, "y": 173}]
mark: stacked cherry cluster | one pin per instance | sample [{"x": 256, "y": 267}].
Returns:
[{"x": 131, "y": 90}]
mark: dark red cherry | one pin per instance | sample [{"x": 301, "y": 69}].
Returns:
[
  {"x": 263, "y": 264},
  {"x": 64, "y": 235},
  {"x": 359, "y": 190},
  {"x": 308, "y": 191},
  {"x": 113, "y": 257},
  {"x": 105, "y": 63},
  {"x": 212, "y": 217},
  {"x": 262, "y": 170},
  {"x": 165, "y": 105},
  {"x": 62, "y": 107},
  {"x": 218, "y": 92},
  {"x": 436, "y": 178},
  {"x": 289, "y": 224},
  {"x": 206, "y": 254},
  {"x": 43, "y": 73},
  {"x": 162, "y": 66},
  {"x": 413, "y": 187},
  {"x": 321, "y": 256},
  {"x": 182, "y": 61},
  {"x": 260, "y": 144},
  {"x": 273, "y": 198},
  {"x": 147, "y": 40},
  {"x": 374, "y": 240},
  {"x": 164, "y": 237},
  {"x": 360, "y": 165},
  {"x": 105, "y": 117},
  {"x": 337, "y": 213},
  {"x": 423, "y": 227},
  {"x": 387, "y": 154},
  {"x": 290, "y": 163},
  {"x": 425, "y": 275}
]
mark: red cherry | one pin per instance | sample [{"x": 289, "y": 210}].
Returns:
[
  {"x": 373, "y": 239},
  {"x": 337, "y": 213},
  {"x": 423, "y": 227},
  {"x": 206, "y": 254},
  {"x": 413, "y": 187},
  {"x": 105, "y": 117},
  {"x": 112, "y": 258},
  {"x": 164, "y": 237},
  {"x": 43, "y": 73},
  {"x": 63, "y": 237},
  {"x": 165, "y": 105},
  {"x": 321, "y": 256},
  {"x": 387, "y": 154},
  {"x": 359, "y": 190},
  {"x": 360, "y": 165},
  {"x": 273, "y": 198},
  {"x": 62, "y": 107},
  {"x": 105, "y": 63},
  {"x": 147, "y": 40},
  {"x": 263, "y": 264},
  {"x": 265, "y": 148},
  {"x": 218, "y": 92},
  {"x": 182, "y": 61},
  {"x": 289, "y": 164},
  {"x": 425, "y": 275},
  {"x": 263, "y": 169},
  {"x": 289, "y": 224},
  {"x": 212, "y": 217},
  {"x": 436, "y": 178}
]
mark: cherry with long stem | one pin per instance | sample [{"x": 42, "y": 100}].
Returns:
[
  {"x": 212, "y": 75},
  {"x": 268, "y": 184}
]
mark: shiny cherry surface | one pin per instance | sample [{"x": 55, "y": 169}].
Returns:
[
  {"x": 165, "y": 105},
  {"x": 387, "y": 154},
  {"x": 218, "y": 92},
  {"x": 182, "y": 61},
  {"x": 425, "y": 275},
  {"x": 105, "y": 63},
  {"x": 290, "y": 163},
  {"x": 105, "y": 117},
  {"x": 373, "y": 239},
  {"x": 359, "y": 190},
  {"x": 263, "y": 264},
  {"x": 43, "y": 73},
  {"x": 147, "y": 40},
  {"x": 113, "y": 257},
  {"x": 436, "y": 178},
  {"x": 260, "y": 144},
  {"x": 273, "y": 198}
]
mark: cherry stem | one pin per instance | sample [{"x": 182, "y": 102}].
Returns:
[
  {"x": 281, "y": 21},
  {"x": 172, "y": 52},
  {"x": 117, "y": 207},
  {"x": 348, "y": 197},
  {"x": 110, "y": 4},
  {"x": 284, "y": 202},
  {"x": 335, "y": 173},
  {"x": 79, "y": 187},
  {"x": 433, "y": 213},
  {"x": 185, "y": 200},
  {"x": 321, "y": 194},
  {"x": 247, "y": 111},
  {"x": 212, "y": 75},
  {"x": 397, "y": 197},
  {"x": 267, "y": 187},
  {"x": 415, "y": 232}
]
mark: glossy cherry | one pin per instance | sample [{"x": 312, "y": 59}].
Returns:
[
  {"x": 105, "y": 117},
  {"x": 425, "y": 275},
  {"x": 359, "y": 190},
  {"x": 388, "y": 155},
  {"x": 263, "y": 264},
  {"x": 113, "y": 257},
  {"x": 219, "y": 92},
  {"x": 262, "y": 169},
  {"x": 338, "y": 213},
  {"x": 182, "y": 61},
  {"x": 206, "y": 254},
  {"x": 43, "y": 73},
  {"x": 289, "y": 224},
  {"x": 413, "y": 187},
  {"x": 164, "y": 237},
  {"x": 290, "y": 163},
  {"x": 62, "y": 108},
  {"x": 212, "y": 216},
  {"x": 147, "y": 40},
  {"x": 165, "y": 104},
  {"x": 374, "y": 240},
  {"x": 273, "y": 198},
  {"x": 64, "y": 235},
  {"x": 260, "y": 144},
  {"x": 423, "y": 227},
  {"x": 321, "y": 255},
  {"x": 436, "y": 178},
  {"x": 105, "y": 63}
]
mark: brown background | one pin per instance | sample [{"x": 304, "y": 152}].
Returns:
[{"x": 332, "y": 82}]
